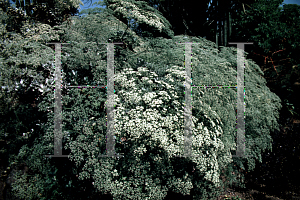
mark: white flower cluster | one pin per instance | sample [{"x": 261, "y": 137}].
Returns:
[
  {"x": 140, "y": 150},
  {"x": 182, "y": 187},
  {"x": 145, "y": 78},
  {"x": 148, "y": 97},
  {"x": 145, "y": 122},
  {"x": 39, "y": 32},
  {"x": 115, "y": 172},
  {"x": 137, "y": 13},
  {"x": 69, "y": 3}
]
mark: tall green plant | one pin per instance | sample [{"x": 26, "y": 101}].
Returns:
[
  {"x": 147, "y": 20},
  {"x": 149, "y": 168},
  {"x": 273, "y": 29},
  {"x": 47, "y": 12},
  {"x": 149, "y": 94}
]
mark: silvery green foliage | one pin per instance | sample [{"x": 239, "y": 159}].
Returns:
[
  {"x": 26, "y": 49},
  {"x": 154, "y": 121},
  {"x": 149, "y": 111},
  {"x": 141, "y": 12},
  {"x": 22, "y": 57},
  {"x": 74, "y": 3}
]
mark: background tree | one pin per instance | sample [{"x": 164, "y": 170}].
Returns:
[
  {"x": 220, "y": 17},
  {"x": 146, "y": 17},
  {"x": 182, "y": 15},
  {"x": 213, "y": 22},
  {"x": 12, "y": 20},
  {"x": 45, "y": 11},
  {"x": 19, "y": 113},
  {"x": 275, "y": 44},
  {"x": 273, "y": 30}
]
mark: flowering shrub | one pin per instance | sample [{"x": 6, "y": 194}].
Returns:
[
  {"x": 141, "y": 13},
  {"x": 154, "y": 121},
  {"x": 149, "y": 113}
]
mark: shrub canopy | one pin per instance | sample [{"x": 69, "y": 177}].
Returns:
[{"x": 149, "y": 110}]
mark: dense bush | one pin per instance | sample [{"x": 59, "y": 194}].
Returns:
[{"x": 149, "y": 95}]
